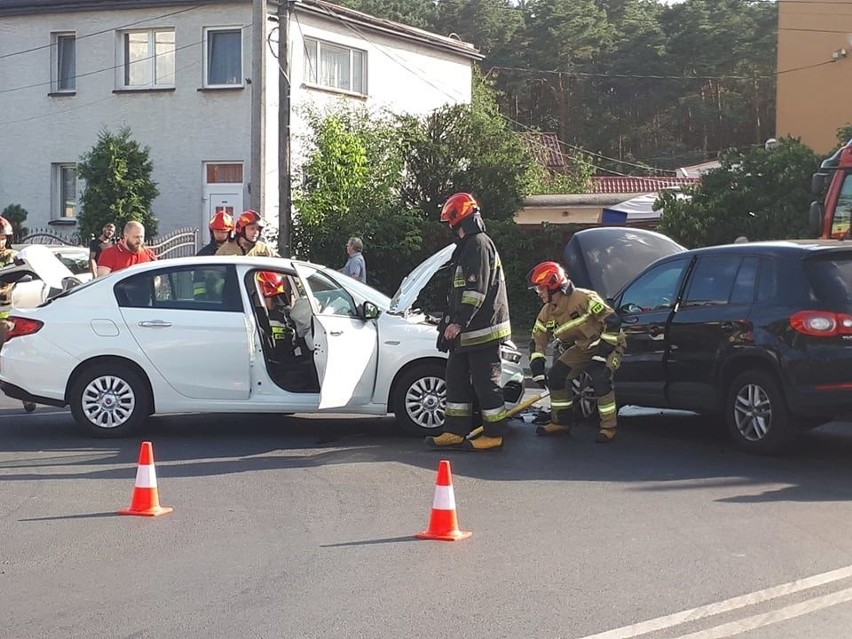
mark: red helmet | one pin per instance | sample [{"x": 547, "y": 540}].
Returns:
[
  {"x": 222, "y": 222},
  {"x": 246, "y": 218},
  {"x": 5, "y": 226},
  {"x": 458, "y": 207},
  {"x": 271, "y": 283},
  {"x": 550, "y": 275}
]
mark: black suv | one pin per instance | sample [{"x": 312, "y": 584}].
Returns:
[{"x": 760, "y": 333}]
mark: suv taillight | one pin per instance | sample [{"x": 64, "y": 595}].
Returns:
[
  {"x": 821, "y": 323},
  {"x": 23, "y": 326}
]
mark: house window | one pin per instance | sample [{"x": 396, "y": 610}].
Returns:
[
  {"x": 63, "y": 62},
  {"x": 148, "y": 58},
  {"x": 336, "y": 67},
  {"x": 224, "y": 59},
  {"x": 65, "y": 189},
  {"x": 224, "y": 174}
]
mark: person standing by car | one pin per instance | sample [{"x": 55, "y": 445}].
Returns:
[
  {"x": 591, "y": 330},
  {"x": 98, "y": 244},
  {"x": 471, "y": 330},
  {"x": 129, "y": 251},
  {"x": 7, "y": 256},
  {"x": 355, "y": 266},
  {"x": 221, "y": 227},
  {"x": 246, "y": 240}
]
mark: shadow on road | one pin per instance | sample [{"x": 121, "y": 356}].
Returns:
[{"x": 654, "y": 452}]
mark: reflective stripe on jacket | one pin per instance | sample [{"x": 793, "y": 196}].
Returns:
[
  {"x": 577, "y": 318},
  {"x": 477, "y": 298}
]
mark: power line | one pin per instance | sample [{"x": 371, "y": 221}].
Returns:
[
  {"x": 113, "y": 67},
  {"x": 89, "y": 35},
  {"x": 421, "y": 76},
  {"x": 80, "y": 106}
]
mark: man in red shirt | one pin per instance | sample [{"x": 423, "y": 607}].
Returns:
[{"x": 129, "y": 251}]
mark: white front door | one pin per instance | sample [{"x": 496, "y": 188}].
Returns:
[
  {"x": 223, "y": 190},
  {"x": 220, "y": 198}
]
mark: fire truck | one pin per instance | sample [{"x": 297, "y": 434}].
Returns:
[{"x": 834, "y": 179}]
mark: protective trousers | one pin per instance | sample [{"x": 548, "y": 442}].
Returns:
[
  {"x": 476, "y": 372},
  {"x": 570, "y": 365}
]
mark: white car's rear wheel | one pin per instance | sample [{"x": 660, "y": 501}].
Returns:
[
  {"x": 110, "y": 400},
  {"x": 420, "y": 399}
]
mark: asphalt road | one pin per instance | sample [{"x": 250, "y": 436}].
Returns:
[{"x": 303, "y": 527}]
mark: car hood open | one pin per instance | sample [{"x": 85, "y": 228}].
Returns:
[
  {"x": 415, "y": 281},
  {"x": 39, "y": 262},
  {"x": 605, "y": 259}
]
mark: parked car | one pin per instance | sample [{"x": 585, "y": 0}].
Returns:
[
  {"x": 40, "y": 271},
  {"x": 758, "y": 333},
  {"x": 193, "y": 335}
]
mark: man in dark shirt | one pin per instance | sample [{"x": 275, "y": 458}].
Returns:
[{"x": 97, "y": 245}]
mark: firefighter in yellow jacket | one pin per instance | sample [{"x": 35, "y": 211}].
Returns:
[{"x": 591, "y": 330}]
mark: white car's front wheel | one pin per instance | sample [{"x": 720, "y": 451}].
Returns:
[
  {"x": 110, "y": 400},
  {"x": 420, "y": 399}
]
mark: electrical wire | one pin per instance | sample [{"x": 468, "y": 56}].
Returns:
[
  {"x": 89, "y": 35},
  {"x": 111, "y": 68}
]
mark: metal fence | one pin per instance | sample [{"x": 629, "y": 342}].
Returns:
[{"x": 179, "y": 243}]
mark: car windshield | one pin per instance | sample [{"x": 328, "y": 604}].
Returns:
[
  {"x": 75, "y": 261},
  {"x": 831, "y": 282}
]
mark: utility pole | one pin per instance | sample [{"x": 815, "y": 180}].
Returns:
[
  {"x": 258, "y": 107},
  {"x": 285, "y": 203}
]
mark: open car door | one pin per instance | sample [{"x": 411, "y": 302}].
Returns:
[{"x": 345, "y": 345}]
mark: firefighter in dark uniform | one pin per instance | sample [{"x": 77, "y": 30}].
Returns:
[
  {"x": 221, "y": 228},
  {"x": 275, "y": 297},
  {"x": 471, "y": 330},
  {"x": 591, "y": 330}
]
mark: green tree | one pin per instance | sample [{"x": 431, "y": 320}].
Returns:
[
  {"x": 17, "y": 215},
  {"x": 465, "y": 147},
  {"x": 415, "y": 13},
  {"x": 351, "y": 183},
  {"x": 119, "y": 188},
  {"x": 762, "y": 194}
]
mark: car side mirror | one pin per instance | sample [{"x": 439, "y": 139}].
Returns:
[
  {"x": 370, "y": 311},
  {"x": 815, "y": 218},
  {"x": 818, "y": 182}
]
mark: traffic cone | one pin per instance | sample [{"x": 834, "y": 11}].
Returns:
[
  {"x": 443, "y": 524},
  {"x": 146, "y": 499}
]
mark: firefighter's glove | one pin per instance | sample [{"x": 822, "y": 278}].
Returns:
[{"x": 537, "y": 370}]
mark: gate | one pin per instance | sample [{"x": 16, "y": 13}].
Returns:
[
  {"x": 180, "y": 243},
  {"x": 50, "y": 237}
]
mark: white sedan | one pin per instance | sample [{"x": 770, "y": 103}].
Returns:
[{"x": 194, "y": 335}]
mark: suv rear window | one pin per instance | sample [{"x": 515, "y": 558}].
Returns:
[{"x": 831, "y": 281}]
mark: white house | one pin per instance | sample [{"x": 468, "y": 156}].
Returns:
[{"x": 179, "y": 74}]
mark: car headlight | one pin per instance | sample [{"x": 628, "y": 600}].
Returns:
[{"x": 510, "y": 355}]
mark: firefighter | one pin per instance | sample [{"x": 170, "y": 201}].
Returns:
[
  {"x": 221, "y": 227},
  {"x": 274, "y": 291},
  {"x": 471, "y": 330},
  {"x": 592, "y": 333},
  {"x": 7, "y": 256},
  {"x": 246, "y": 240}
]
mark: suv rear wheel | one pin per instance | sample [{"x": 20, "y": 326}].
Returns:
[{"x": 757, "y": 416}]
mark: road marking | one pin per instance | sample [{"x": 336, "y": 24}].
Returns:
[
  {"x": 720, "y": 607},
  {"x": 773, "y": 616}
]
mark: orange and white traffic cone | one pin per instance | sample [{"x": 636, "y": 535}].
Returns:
[
  {"x": 146, "y": 499},
  {"x": 443, "y": 524}
]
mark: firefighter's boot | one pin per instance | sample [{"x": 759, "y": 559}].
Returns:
[
  {"x": 552, "y": 429},
  {"x": 445, "y": 440},
  {"x": 605, "y": 436},
  {"x": 483, "y": 443}
]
